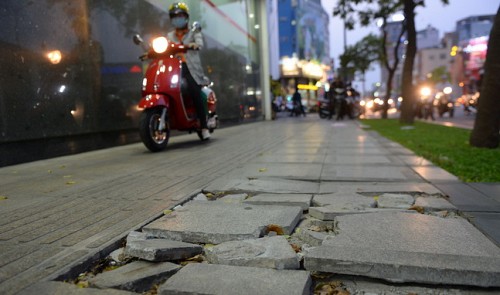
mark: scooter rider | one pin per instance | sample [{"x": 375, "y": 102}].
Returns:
[{"x": 191, "y": 63}]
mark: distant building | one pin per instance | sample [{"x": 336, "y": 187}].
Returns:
[
  {"x": 304, "y": 46},
  {"x": 429, "y": 59},
  {"x": 428, "y": 38},
  {"x": 472, "y": 41},
  {"x": 303, "y": 30},
  {"x": 474, "y": 27}
]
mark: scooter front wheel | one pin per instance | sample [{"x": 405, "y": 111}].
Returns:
[{"x": 153, "y": 138}]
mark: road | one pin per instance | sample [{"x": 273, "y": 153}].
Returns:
[{"x": 459, "y": 119}]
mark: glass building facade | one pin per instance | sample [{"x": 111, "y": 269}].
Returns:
[{"x": 69, "y": 67}]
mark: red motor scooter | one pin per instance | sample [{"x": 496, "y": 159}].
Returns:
[{"x": 165, "y": 101}]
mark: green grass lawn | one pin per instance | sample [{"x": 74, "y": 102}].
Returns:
[{"x": 446, "y": 147}]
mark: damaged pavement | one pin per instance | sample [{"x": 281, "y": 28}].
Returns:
[{"x": 335, "y": 210}]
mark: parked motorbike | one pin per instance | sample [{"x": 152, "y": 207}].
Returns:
[
  {"x": 324, "y": 108},
  {"x": 470, "y": 103},
  {"x": 444, "y": 102},
  {"x": 165, "y": 101},
  {"x": 354, "y": 108},
  {"x": 341, "y": 107}
]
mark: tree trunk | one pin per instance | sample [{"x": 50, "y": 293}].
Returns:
[
  {"x": 407, "y": 113},
  {"x": 487, "y": 124},
  {"x": 391, "y": 69},
  {"x": 385, "y": 106}
]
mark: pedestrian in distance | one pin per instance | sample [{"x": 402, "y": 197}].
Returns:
[{"x": 298, "y": 108}]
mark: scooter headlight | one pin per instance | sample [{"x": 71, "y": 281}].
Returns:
[
  {"x": 447, "y": 90},
  {"x": 425, "y": 91},
  {"x": 160, "y": 44}
]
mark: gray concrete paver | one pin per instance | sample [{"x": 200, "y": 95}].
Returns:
[
  {"x": 267, "y": 252},
  {"x": 301, "y": 200},
  {"x": 367, "y": 173},
  {"x": 227, "y": 279},
  {"x": 377, "y": 187},
  {"x": 409, "y": 248},
  {"x": 51, "y": 288},
  {"x": 138, "y": 276},
  {"x": 216, "y": 222},
  {"x": 300, "y": 171},
  {"x": 231, "y": 182}
]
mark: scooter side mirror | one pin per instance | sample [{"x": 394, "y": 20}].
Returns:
[
  {"x": 196, "y": 27},
  {"x": 137, "y": 40}
]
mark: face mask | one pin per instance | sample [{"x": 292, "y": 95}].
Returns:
[{"x": 179, "y": 22}]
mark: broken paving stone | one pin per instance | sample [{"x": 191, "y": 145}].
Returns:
[
  {"x": 344, "y": 200},
  {"x": 162, "y": 250},
  {"x": 402, "y": 247},
  {"x": 330, "y": 212},
  {"x": 119, "y": 257},
  {"x": 53, "y": 287},
  {"x": 396, "y": 201},
  {"x": 310, "y": 237},
  {"x": 312, "y": 232},
  {"x": 200, "y": 197},
  {"x": 268, "y": 252},
  {"x": 284, "y": 186},
  {"x": 216, "y": 222},
  {"x": 302, "y": 200},
  {"x": 233, "y": 198},
  {"x": 210, "y": 279},
  {"x": 138, "y": 276},
  {"x": 137, "y": 236},
  {"x": 435, "y": 204},
  {"x": 339, "y": 204}
]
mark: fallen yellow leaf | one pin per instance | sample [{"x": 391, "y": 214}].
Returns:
[
  {"x": 262, "y": 169},
  {"x": 82, "y": 284},
  {"x": 166, "y": 212},
  {"x": 275, "y": 228},
  {"x": 419, "y": 209},
  {"x": 3, "y": 198},
  {"x": 70, "y": 182}
]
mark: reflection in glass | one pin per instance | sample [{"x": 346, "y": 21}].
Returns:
[{"x": 70, "y": 67}]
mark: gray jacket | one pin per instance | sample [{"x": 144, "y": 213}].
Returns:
[{"x": 192, "y": 56}]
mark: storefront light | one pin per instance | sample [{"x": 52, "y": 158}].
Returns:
[
  {"x": 54, "y": 56},
  {"x": 307, "y": 87}
]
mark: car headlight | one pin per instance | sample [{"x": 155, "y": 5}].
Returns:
[
  {"x": 160, "y": 44},
  {"x": 447, "y": 90}
]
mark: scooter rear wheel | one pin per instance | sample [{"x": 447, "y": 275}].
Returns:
[{"x": 153, "y": 138}]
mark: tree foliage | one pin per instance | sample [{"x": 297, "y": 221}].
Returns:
[
  {"x": 382, "y": 9},
  {"x": 359, "y": 57}
]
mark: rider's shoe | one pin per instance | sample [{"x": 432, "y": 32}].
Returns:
[{"x": 205, "y": 134}]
